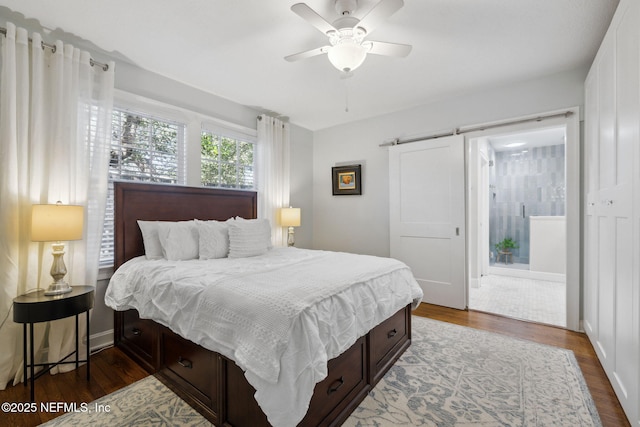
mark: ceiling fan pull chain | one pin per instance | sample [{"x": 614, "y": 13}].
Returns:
[{"x": 346, "y": 95}]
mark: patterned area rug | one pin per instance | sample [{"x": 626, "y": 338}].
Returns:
[
  {"x": 457, "y": 376},
  {"x": 450, "y": 376}
]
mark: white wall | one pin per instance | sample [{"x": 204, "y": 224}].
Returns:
[
  {"x": 360, "y": 224},
  {"x": 301, "y": 182},
  {"x": 133, "y": 79}
]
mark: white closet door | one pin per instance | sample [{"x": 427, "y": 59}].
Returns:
[
  {"x": 619, "y": 201},
  {"x": 427, "y": 216},
  {"x": 612, "y": 126}
]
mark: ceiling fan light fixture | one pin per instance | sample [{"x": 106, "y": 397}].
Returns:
[
  {"x": 347, "y": 55},
  {"x": 348, "y": 49}
]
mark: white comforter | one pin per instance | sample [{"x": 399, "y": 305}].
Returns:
[{"x": 279, "y": 316}]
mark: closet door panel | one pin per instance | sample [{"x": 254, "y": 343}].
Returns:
[
  {"x": 626, "y": 358},
  {"x": 591, "y": 277},
  {"x": 627, "y": 65},
  {"x": 607, "y": 123},
  {"x": 591, "y": 164},
  {"x": 627, "y": 95},
  {"x": 605, "y": 343},
  {"x": 592, "y": 135},
  {"x": 606, "y": 290}
]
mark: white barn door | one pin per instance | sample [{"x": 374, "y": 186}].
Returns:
[{"x": 427, "y": 216}]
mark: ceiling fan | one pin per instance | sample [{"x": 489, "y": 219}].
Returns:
[{"x": 348, "y": 49}]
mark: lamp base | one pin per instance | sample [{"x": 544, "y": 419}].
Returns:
[
  {"x": 58, "y": 271},
  {"x": 58, "y": 289},
  {"x": 290, "y": 239}
]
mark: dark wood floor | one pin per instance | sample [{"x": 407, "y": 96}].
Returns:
[{"x": 112, "y": 370}]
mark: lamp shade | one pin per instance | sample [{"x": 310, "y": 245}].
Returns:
[
  {"x": 290, "y": 217},
  {"x": 347, "y": 55},
  {"x": 56, "y": 223}
]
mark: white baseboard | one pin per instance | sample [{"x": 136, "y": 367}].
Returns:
[
  {"x": 98, "y": 342},
  {"x": 101, "y": 340}
]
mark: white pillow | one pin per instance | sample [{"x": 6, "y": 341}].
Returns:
[
  {"x": 151, "y": 240},
  {"x": 249, "y": 238},
  {"x": 239, "y": 218},
  {"x": 213, "y": 239},
  {"x": 179, "y": 240}
]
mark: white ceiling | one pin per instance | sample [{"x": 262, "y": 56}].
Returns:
[{"x": 235, "y": 48}]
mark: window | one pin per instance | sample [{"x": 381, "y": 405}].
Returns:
[
  {"x": 161, "y": 143},
  {"x": 143, "y": 148},
  {"x": 226, "y": 161}
]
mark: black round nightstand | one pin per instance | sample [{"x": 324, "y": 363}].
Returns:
[{"x": 35, "y": 307}]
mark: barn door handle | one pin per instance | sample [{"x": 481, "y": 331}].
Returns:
[
  {"x": 457, "y": 231},
  {"x": 333, "y": 388},
  {"x": 185, "y": 363},
  {"x": 392, "y": 333}
]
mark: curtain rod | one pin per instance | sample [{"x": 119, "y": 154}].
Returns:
[
  {"x": 461, "y": 130},
  {"x": 105, "y": 67},
  {"x": 260, "y": 119}
]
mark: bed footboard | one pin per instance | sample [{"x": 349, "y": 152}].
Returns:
[{"x": 216, "y": 387}]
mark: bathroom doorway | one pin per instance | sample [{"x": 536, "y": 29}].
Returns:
[{"x": 517, "y": 185}]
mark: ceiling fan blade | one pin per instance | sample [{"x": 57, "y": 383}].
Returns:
[
  {"x": 312, "y": 17},
  {"x": 387, "y": 49},
  {"x": 307, "y": 54},
  {"x": 379, "y": 14}
]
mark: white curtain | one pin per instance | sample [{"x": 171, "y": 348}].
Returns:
[
  {"x": 273, "y": 173},
  {"x": 55, "y": 124}
]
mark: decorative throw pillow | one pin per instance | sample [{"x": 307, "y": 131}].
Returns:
[
  {"x": 213, "y": 239},
  {"x": 250, "y": 237},
  {"x": 179, "y": 240},
  {"x": 151, "y": 240}
]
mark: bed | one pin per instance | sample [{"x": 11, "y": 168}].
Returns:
[{"x": 219, "y": 384}]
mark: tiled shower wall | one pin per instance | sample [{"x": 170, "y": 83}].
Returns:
[{"x": 535, "y": 180}]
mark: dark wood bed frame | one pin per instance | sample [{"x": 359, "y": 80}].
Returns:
[{"x": 212, "y": 384}]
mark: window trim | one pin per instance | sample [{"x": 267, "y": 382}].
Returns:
[{"x": 230, "y": 130}]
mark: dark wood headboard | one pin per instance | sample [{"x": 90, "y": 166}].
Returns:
[{"x": 156, "y": 202}]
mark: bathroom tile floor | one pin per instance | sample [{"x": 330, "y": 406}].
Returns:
[{"x": 527, "y": 299}]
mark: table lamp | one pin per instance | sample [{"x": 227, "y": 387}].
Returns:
[
  {"x": 57, "y": 223},
  {"x": 290, "y": 217}
]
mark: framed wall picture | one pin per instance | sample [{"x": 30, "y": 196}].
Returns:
[{"x": 346, "y": 180}]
